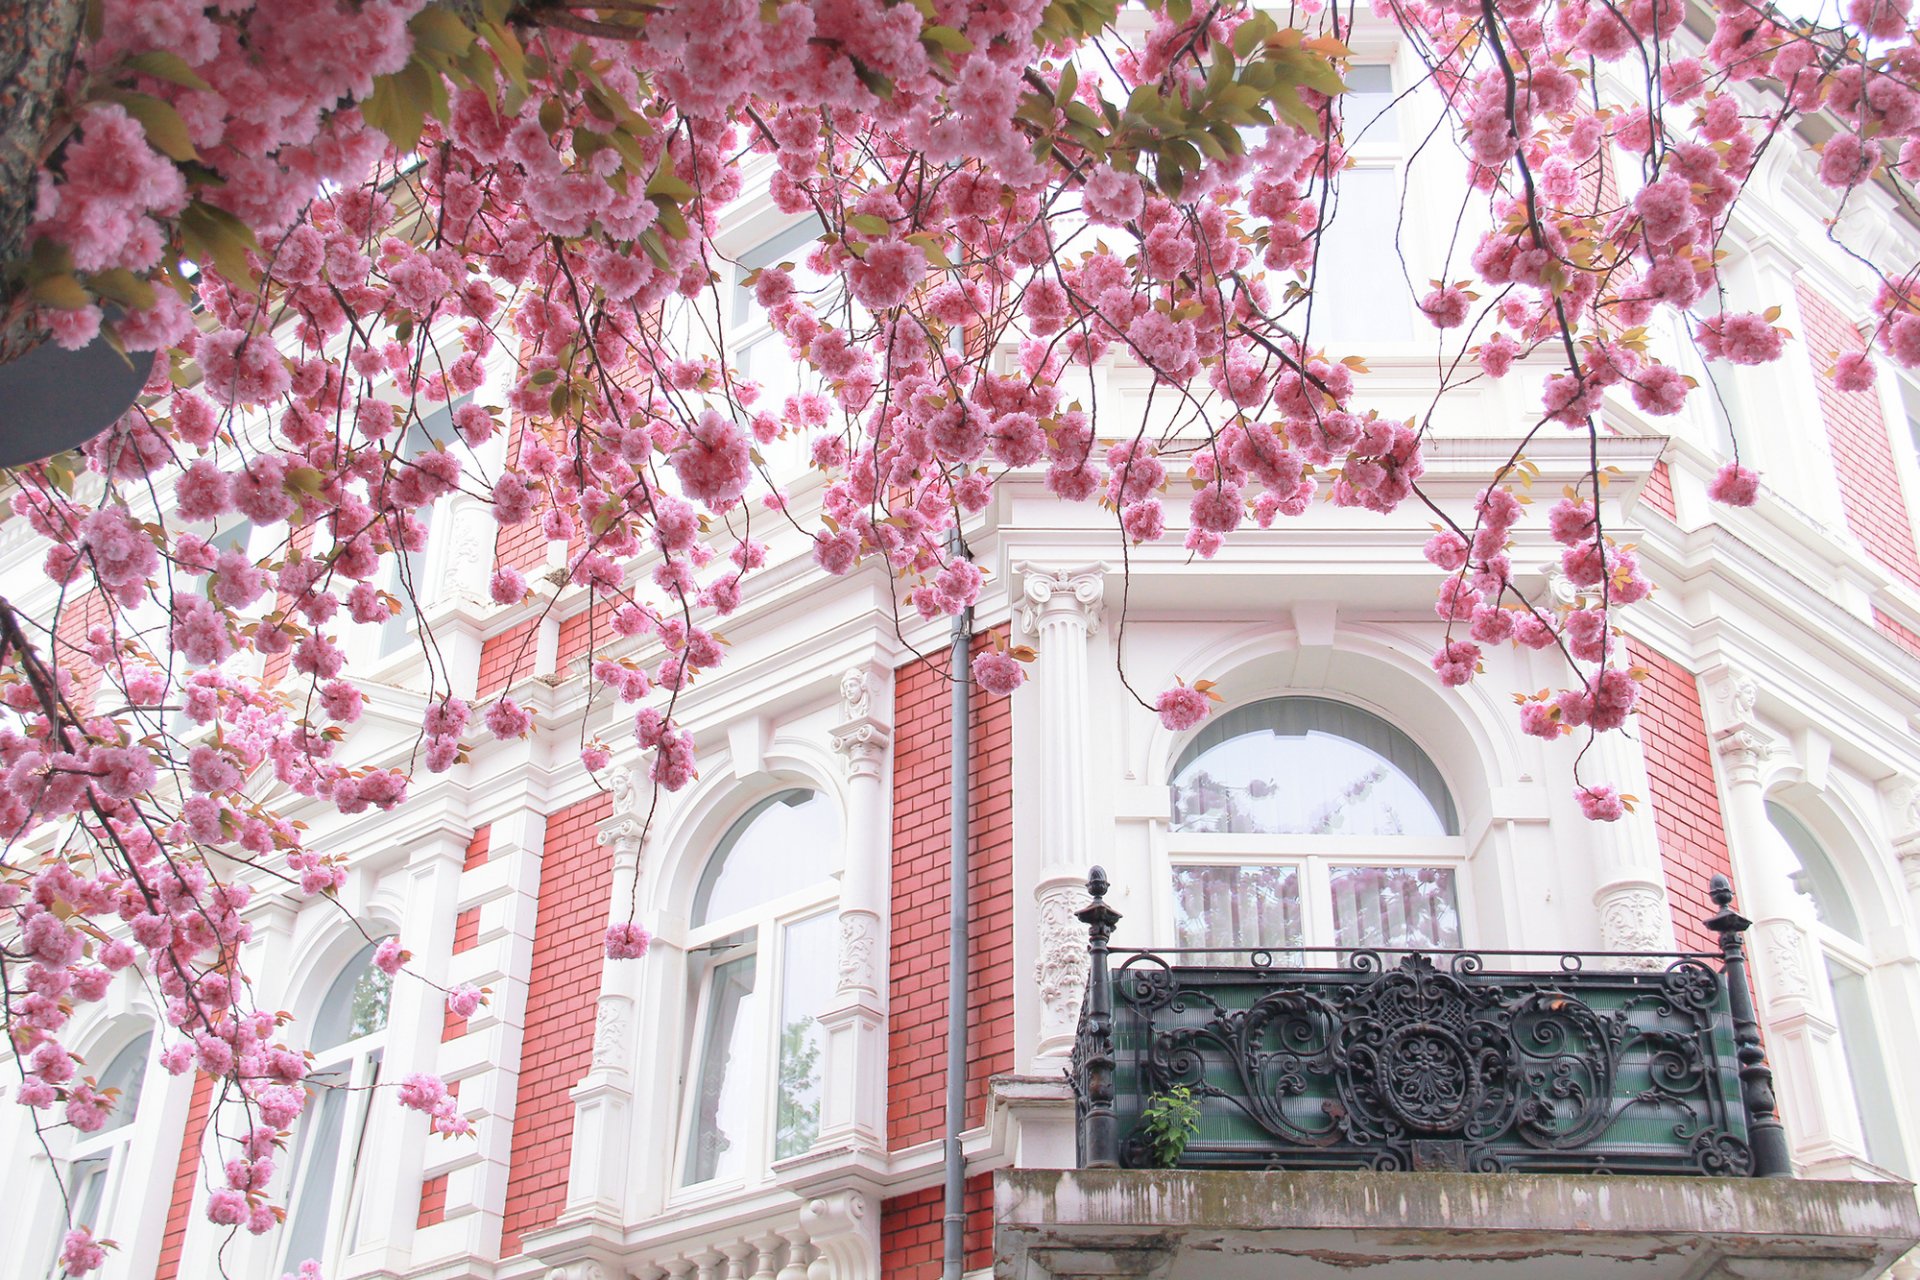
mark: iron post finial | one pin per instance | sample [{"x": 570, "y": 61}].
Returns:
[{"x": 1097, "y": 884}]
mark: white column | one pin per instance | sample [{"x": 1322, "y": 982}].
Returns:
[
  {"x": 1802, "y": 1042},
  {"x": 855, "y": 1058},
  {"x": 1630, "y": 889},
  {"x": 603, "y": 1100},
  {"x": 1060, "y": 608}
]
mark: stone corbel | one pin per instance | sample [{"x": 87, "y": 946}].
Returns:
[
  {"x": 1732, "y": 696},
  {"x": 844, "y": 1229}
]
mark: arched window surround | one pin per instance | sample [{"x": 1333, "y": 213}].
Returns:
[
  {"x": 1378, "y": 667},
  {"x": 1317, "y": 889}
]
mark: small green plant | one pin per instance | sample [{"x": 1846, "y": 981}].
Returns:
[{"x": 1170, "y": 1120}]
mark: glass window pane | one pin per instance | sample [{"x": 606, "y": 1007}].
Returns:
[
  {"x": 1366, "y": 105},
  {"x": 127, "y": 1072},
  {"x": 1394, "y": 907},
  {"x": 86, "y": 1186},
  {"x": 1251, "y": 907},
  {"x": 406, "y": 572},
  {"x": 316, "y": 1158},
  {"x": 1818, "y": 880},
  {"x": 1309, "y": 766},
  {"x": 1361, "y": 294},
  {"x": 356, "y": 1004},
  {"x": 723, "y": 1101},
  {"x": 806, "y": 984},
  {"x": 1872, "y": 1092},
  {"x": 786, "y": 842}
]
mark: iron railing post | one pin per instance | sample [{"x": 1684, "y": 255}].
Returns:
[
  {"x": 1094, "y": 1055},
  {"x": 1766, "y": 1136}
]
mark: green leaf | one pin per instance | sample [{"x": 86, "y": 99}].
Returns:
[
  {"x": 666, "y": 185},
  {"x": 165, "y": 129},
  {"x": 506, "y": 47},
  {"x": 1069, "y": 81},
  {"x": 945, "y": 38},
  {"x": 933, "y": 247},
  {"x": 215, "y": 236},
  {"x": 122, "y": 286},
  {"x": 870, "y": 224},
  {"x": 61, "y": 292},
  {"x": 1252, "y": 33},
  {"x": 397, "y": 107},
  {"x": 1296, "y": 66},
  {"x": 438, "y": 30},
  {"x": 671, "y": 222},
  {"x": 170, "y": 67}
]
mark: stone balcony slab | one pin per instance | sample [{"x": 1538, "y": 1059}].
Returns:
[{"x": 1244, "y": 1225}]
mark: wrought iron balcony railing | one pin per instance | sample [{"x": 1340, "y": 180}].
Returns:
[{"x": 1405, "y": 1060}]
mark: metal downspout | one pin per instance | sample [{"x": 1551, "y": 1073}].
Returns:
[{"x": 953, "y": 1222}]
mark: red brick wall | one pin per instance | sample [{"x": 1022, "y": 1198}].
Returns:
[
  {"x": 576, "y": 879},
  {"x": 433, "y": 1201},
  {"x": 1659, "y": 491},
  {"x": 1686, "y": 803},
  {"x": 910, "y": 1235},
  {"x": 184, "y": 1169},
  {"x": 917, "y": 1041},
  {"x": 477, "y": 848},
  {"x": 1903, "y": 636},
  {"x": 1862, "y": 453},
  {"x": 466, "y": 930},
  {"x": 506, "y": 657}
]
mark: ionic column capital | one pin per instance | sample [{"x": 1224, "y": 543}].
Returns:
[{"x": 1071, "y": 595}]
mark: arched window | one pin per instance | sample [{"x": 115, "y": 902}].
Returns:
[
  {"x": 1305, "y": 822},
  {"x": 1847, "y": 964},
  {"x": 96, "y": 1164},
  {"x": 761, "y": 953},
  {"x": 347, "y": 1041}
]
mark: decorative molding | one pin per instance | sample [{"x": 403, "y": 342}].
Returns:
[
  {"x": 587, "y": 1269},
  {"x": 1072, "y": 595},
  {"x": 1636, "y": 918},
  {"x": 611, "y": 1035},
  {"x": 1734, "y": 696},
  {"x": 864, "y": 743},
  {"x": 1910, "y": 864},
  {"x": 1742, "y": 750},
  {"x": 844, "y": 1230},
  {"x": 1060, "y": 970},
  {"x": 1786, "y": 948},
  {"x": 859, "y": 951},
  {"x": 469, "y": 554},
  {"x": 626, "y": 827}
]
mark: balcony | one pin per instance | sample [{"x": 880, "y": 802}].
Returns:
[{"x": 1431, "y": 1114}]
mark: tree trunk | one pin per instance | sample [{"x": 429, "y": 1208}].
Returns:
[{"x": 38, "y": 39}]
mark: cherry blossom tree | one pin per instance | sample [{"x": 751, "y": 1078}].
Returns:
[{"x": 327, "y": 216}]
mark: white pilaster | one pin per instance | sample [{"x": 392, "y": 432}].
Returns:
[
  {"x": 854, "y": 1105},
  {"x": 1630, "y": 890},
  {"x": 603, "y": 1100},
  {"x": 1060, "y": 608}
]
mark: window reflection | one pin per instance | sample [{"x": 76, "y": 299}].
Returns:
[
  {"x": 1308, "y": 766},
  {"x": 1394, "y": 907}
]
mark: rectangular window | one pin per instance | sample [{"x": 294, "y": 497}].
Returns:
[
  {"x": 806, "y": 985},
  {"x": 723, "y": 1105},
  {"x": 1394, "y": 907},
  {"x": 1251, "y": 907},
  {"x": 759, "y": 353},
  {"x": 406, "y": 575},
  {"x": 1361, "y": 294}
]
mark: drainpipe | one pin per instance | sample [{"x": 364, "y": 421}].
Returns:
[{"x": 953, "y": 1223}]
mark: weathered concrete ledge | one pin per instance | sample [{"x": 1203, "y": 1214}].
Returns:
[{"x": 1055, "y": 1224}]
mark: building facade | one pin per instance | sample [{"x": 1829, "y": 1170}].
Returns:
[{"x": 761, "y": 1095}]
